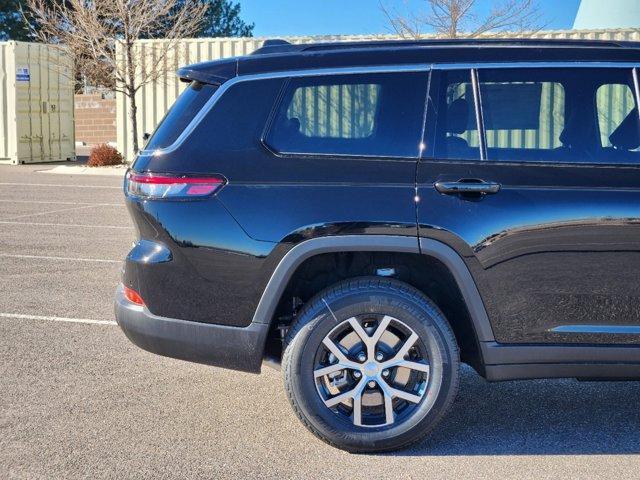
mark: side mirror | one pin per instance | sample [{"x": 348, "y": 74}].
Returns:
[{"x": 146, "y": 136}]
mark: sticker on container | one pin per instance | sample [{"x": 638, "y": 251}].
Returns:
[{"x": 22, "y": 74}]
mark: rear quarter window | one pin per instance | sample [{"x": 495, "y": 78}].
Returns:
[
  {"x": 179, "y": 116},
  {"x": 355, "y": 115}
]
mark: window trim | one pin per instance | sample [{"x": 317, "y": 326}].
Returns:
[
  {"x": 636, "y": 84},
  {"x": 418, "y": 67},
  {"x": 477, "y": 105},
  {"x": 281, "y": 96},
  {"x": 286, "y": 75},
  {"x": 529, "y": 65}
]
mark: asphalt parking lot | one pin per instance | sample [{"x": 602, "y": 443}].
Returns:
[{"x": 77, "y": 400}]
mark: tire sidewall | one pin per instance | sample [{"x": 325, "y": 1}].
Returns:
[{"x": 329, "y": 311}]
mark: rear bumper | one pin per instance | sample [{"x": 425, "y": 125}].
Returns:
[{"x": 236, "y": 348}]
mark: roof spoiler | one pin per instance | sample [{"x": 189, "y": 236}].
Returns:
[{"x": 214, "y": 73}]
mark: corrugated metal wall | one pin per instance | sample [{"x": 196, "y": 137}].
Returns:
[
  {"x": 36, "y": 103},
  {"x": 155, "y": 98}
]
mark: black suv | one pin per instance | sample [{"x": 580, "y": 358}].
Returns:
[{"x": 371, "y": 214}]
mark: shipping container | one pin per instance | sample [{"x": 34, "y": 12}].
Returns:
[
  {"x": 36, "y": 103},
  {"x": 156, "y": 97}
]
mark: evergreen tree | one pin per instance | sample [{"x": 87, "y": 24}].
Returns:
[{"x": 12, "y": 24}]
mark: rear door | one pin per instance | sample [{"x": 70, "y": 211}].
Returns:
[
  {"x": 550, "y": 222},
  {"x": 337, "y": 157}
]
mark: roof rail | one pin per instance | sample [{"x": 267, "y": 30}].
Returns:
[{"x": 282, "y": 46}]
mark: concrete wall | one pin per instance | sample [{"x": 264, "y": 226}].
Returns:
[{"x": 95, "y": 119}]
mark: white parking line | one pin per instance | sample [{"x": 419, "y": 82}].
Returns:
[
  {"x": 72, "y": 259},
  {"x": 57, "y": 185},
  {"x": 20, "y": 316},
  {"x": 49, "y": 211},
  {"x": 46, "y": 202},
  {"x": 37, "y": 224}
]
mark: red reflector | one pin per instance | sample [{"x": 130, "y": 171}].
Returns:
[
  {"x": 133, "y": 296},
  {"x": 150, "y": 185},
  {"x": 201, "y": 189}
]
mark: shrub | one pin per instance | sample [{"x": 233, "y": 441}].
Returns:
[{"x": 102, "y": 155}]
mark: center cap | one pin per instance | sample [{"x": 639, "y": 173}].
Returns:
[{"x": 371, "y": 369}]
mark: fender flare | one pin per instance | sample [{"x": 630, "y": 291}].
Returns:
[{"x": 375, "y": 243}]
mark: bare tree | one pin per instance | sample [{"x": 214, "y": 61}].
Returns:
[
  {"x": 101, "y": 36},
  {"x": 460, "y": 18}
]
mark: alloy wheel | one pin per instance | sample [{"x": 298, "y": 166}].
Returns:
[{"x": 372, "y": 371}]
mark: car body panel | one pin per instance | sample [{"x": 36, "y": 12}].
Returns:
[{"x": 547, "y": 266}]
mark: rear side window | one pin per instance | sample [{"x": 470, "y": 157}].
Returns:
[
  {"x": 185, "y": 108},
  {"x": 362, "y": 115},
  {"x": 524, "y": 112},
  {"x": 457, "y": 131},
  {"x": 579, "y": 115},
  {"x": 615, "y": 102},
  {"x": 335, "y": 111}
]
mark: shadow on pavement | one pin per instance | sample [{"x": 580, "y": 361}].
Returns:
[{"x": 552, "y": 417}]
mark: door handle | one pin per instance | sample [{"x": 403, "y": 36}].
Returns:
[{"x": 467, "y": 186}]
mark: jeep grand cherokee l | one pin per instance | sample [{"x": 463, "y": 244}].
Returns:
[{"x": 372, "y": 214}]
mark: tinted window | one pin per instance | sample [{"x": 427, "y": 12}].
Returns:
[
  {"x": 559, "y": 115},
  {"x": 456, "y": 130},
  {"x": 187, "y": 105},
  {"x": 335, "y": 111},
  {"x": 370, "y": 115},
  {"x": 614, "y": 103},
  {"x": 539, "y": 120}
]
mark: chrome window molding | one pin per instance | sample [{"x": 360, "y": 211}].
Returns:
[
  {"x": 418, "y": 67},
  {"x": 477, "y": 104},
  {"x": 636, "y": 85},
  {"x": 204, "y": 111},
  {"x": 521, "y": 65},
  {"x": 423, "y": 140}
]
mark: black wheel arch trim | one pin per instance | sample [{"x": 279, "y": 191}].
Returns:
[{"x": 375, "y": 243}]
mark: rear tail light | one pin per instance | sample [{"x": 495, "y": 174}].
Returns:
[
  {"x": 133, "y": 296},
  {"x": 150, "y": 185}
]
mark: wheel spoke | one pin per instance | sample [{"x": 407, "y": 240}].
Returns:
[
  {"x": 382, "y": 327},
  {"x": 410, "y": 397},
  {"x": 333, "y": 401},
  {"x": 413, "y": 338},
  {"x": 398, "y": 358},
  {"x": 395, "y": 392},
  {"x": 355, "y": 324},
  {"x": 420, "y": 367},
  {"x": 335, "y": 349},
  {"x": 343, "y": 361},
  {"x": 370, "y": 341},
  {"x": 366, "y": 339},
  {"x": 321, "y": 372},
  {"x": 357, "y": 409},
  {"x": 388, "y": 408}
]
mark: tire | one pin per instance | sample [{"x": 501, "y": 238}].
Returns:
[{"x": 328, "y": 318}]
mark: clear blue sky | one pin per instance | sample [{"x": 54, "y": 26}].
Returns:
[{"x": 275, "y": 18}]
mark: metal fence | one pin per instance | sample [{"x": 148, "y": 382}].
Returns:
[{"x": 155, "y": 98}]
